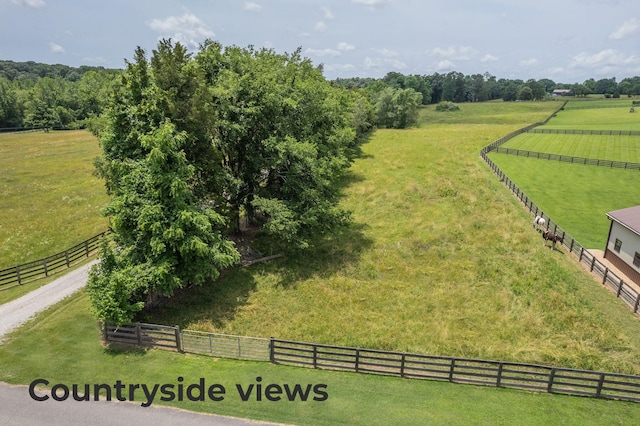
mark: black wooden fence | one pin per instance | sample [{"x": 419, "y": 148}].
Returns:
[
  {"x": 586, "y": 132},
  {"x": 568, "y": 158},
  {"x": 514, "y": 375},
  {"x": 623, "y": 290},
  {"x": 50, "y": 265}
]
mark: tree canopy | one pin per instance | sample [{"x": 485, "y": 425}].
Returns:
[{"x": 192, "y": 143}]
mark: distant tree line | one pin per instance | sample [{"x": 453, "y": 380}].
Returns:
[
  {"x": 457, "y": 87},
  {"x": 41, "y": 95}
]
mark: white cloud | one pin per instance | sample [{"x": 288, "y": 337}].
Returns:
[
  {"x": 30, "y": 3},
  {"x": 489, "y": 58},
  {"x": 462, "y": 53},
  {"x": 56, "y": 48},
  {"x": 251, "y": 6},
  {"x": 327, "y": 13},
  {"x": 528, "y": 62},
  {"x": 187, "y": 29},
  {"x": 626, "y": 29},
  {"x": 345, "y": 46},
  {"x": 607, "y": 57},
  {"x": 445, "y": 65},
  {"x": 320, "y": 26},
  {"x": 322, "y": 52}
]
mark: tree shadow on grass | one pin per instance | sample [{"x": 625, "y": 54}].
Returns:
[{"x": 217, "y": 303}]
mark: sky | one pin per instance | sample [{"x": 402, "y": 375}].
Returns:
[{"x": 567, "y": 41}]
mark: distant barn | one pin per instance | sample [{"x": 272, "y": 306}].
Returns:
[
  {"x": 623, "y": 243},
  {"x": 561, "y": 92}
]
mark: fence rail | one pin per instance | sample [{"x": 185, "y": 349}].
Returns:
[
  {"x": 529, "y": 377},
  {"x": 586, "y": 132},
  {"x": 50, "y": 265},
  {"x": 568, "y": 158}
]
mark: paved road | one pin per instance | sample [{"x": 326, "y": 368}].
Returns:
[
  {"x": 17, "y": 408},
  {"x": 19, "y": 311}
]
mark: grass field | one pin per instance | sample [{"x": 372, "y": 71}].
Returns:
[
  {"x": 596, "y": 119},
  {"x": 440, "y": 259},
  {"x": 599, "y": 102},
  {"x": 73, "y": 354},
  {"x": 49, "y": 199},
  {"x": 602, "y": 147},
  {"x": 575, "y": 196}
]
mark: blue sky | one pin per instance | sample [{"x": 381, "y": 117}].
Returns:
[{"x": 567, "y": 41}]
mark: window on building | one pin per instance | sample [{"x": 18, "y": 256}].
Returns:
[
  {"x": 618, "y": 245},
  {"x": 636, "y": 260}
]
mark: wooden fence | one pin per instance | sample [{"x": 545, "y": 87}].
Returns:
[
  {"x": 587, "y": 132},
  {"x": 623, "y": 290},
  {"x": 530, "y": 377},
  {"x": 568, "y": 158},
  {"x": 42, "y": 268}
]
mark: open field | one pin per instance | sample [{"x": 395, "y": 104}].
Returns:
[
  {"x": 73, "y": 354},
  {"x": 573, "y": 195},
  {"x": 440, "y": 259},
  {"x": 596, "y": 119},
  {"x": 599, "y": 102},
  {"x": 602, "y": 147},
  {"x": 49, "y": 199}
]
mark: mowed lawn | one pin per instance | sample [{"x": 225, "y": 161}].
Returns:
[
  {"x": 602, "y": 147},
  {"x": 440, "y": 259},
  {"x": 49, "y": 198},
  {"x": 596, "y": 119}
]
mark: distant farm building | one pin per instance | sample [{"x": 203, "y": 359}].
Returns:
[
  {"x": 623, "y": 244},
  {"x": 561, "y": 92}
]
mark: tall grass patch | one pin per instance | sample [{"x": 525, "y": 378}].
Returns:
[
  {"x": 49, "y": 197},
  {"x": 440, "y": 259}
]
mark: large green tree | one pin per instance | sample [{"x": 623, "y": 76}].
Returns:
[{"x": 164, "y": 238}]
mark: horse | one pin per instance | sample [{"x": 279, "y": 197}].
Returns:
[
  {"x": 553, "y": 237},
  {"x": 538, "y": 223}
]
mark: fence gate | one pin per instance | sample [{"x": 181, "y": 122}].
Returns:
[{"x": 225, "y": 345}]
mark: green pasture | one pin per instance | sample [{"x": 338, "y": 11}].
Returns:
[
  {"x": 575, "y": 196},
  {"x": 602, "y": 147},
  {"x": 440, "y": 259},
  {"x": 599, "y": 102},
  {"x": 70, "y": 352},
  {"x": 49, "y": 198},
  {"x": 596, "y": 119}
]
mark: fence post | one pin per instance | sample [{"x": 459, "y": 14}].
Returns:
[
  {"x": 635, "y": 308},
  {"x": 44, "y": 265},
  {"x": 571, "y": 248},
  {"x": 604, "y": 277},
  {"x": 600, "y": 383},
  {"x": 272, "y": 355},
  {"x": 18, "y": 274},
  {"x": 451, "y": 369},
  {"x": 499, "y": 378},
  {"x": 593, "y": 262},
  {"x": 581, "y": 251},
  {"x": 357, "y": 360},
  {"x": 315, "y": 356},
  {"x": 178, "y": 339},
  {"x": 138, "y": 333},
  {"x": 619, "y": 288},
  {"x": 86, "y": 247},
  {"x": 402, "y": 360},
  {"x": 552, "y": 374},
  {"x": 66, "y": 256}
]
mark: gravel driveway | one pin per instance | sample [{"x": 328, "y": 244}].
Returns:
[{"x": 19, "y": 311}]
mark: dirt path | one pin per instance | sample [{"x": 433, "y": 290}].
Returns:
[{"x": 19, "y": 311}]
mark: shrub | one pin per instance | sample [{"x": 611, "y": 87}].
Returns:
[{"x": 447, "y": 106}]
